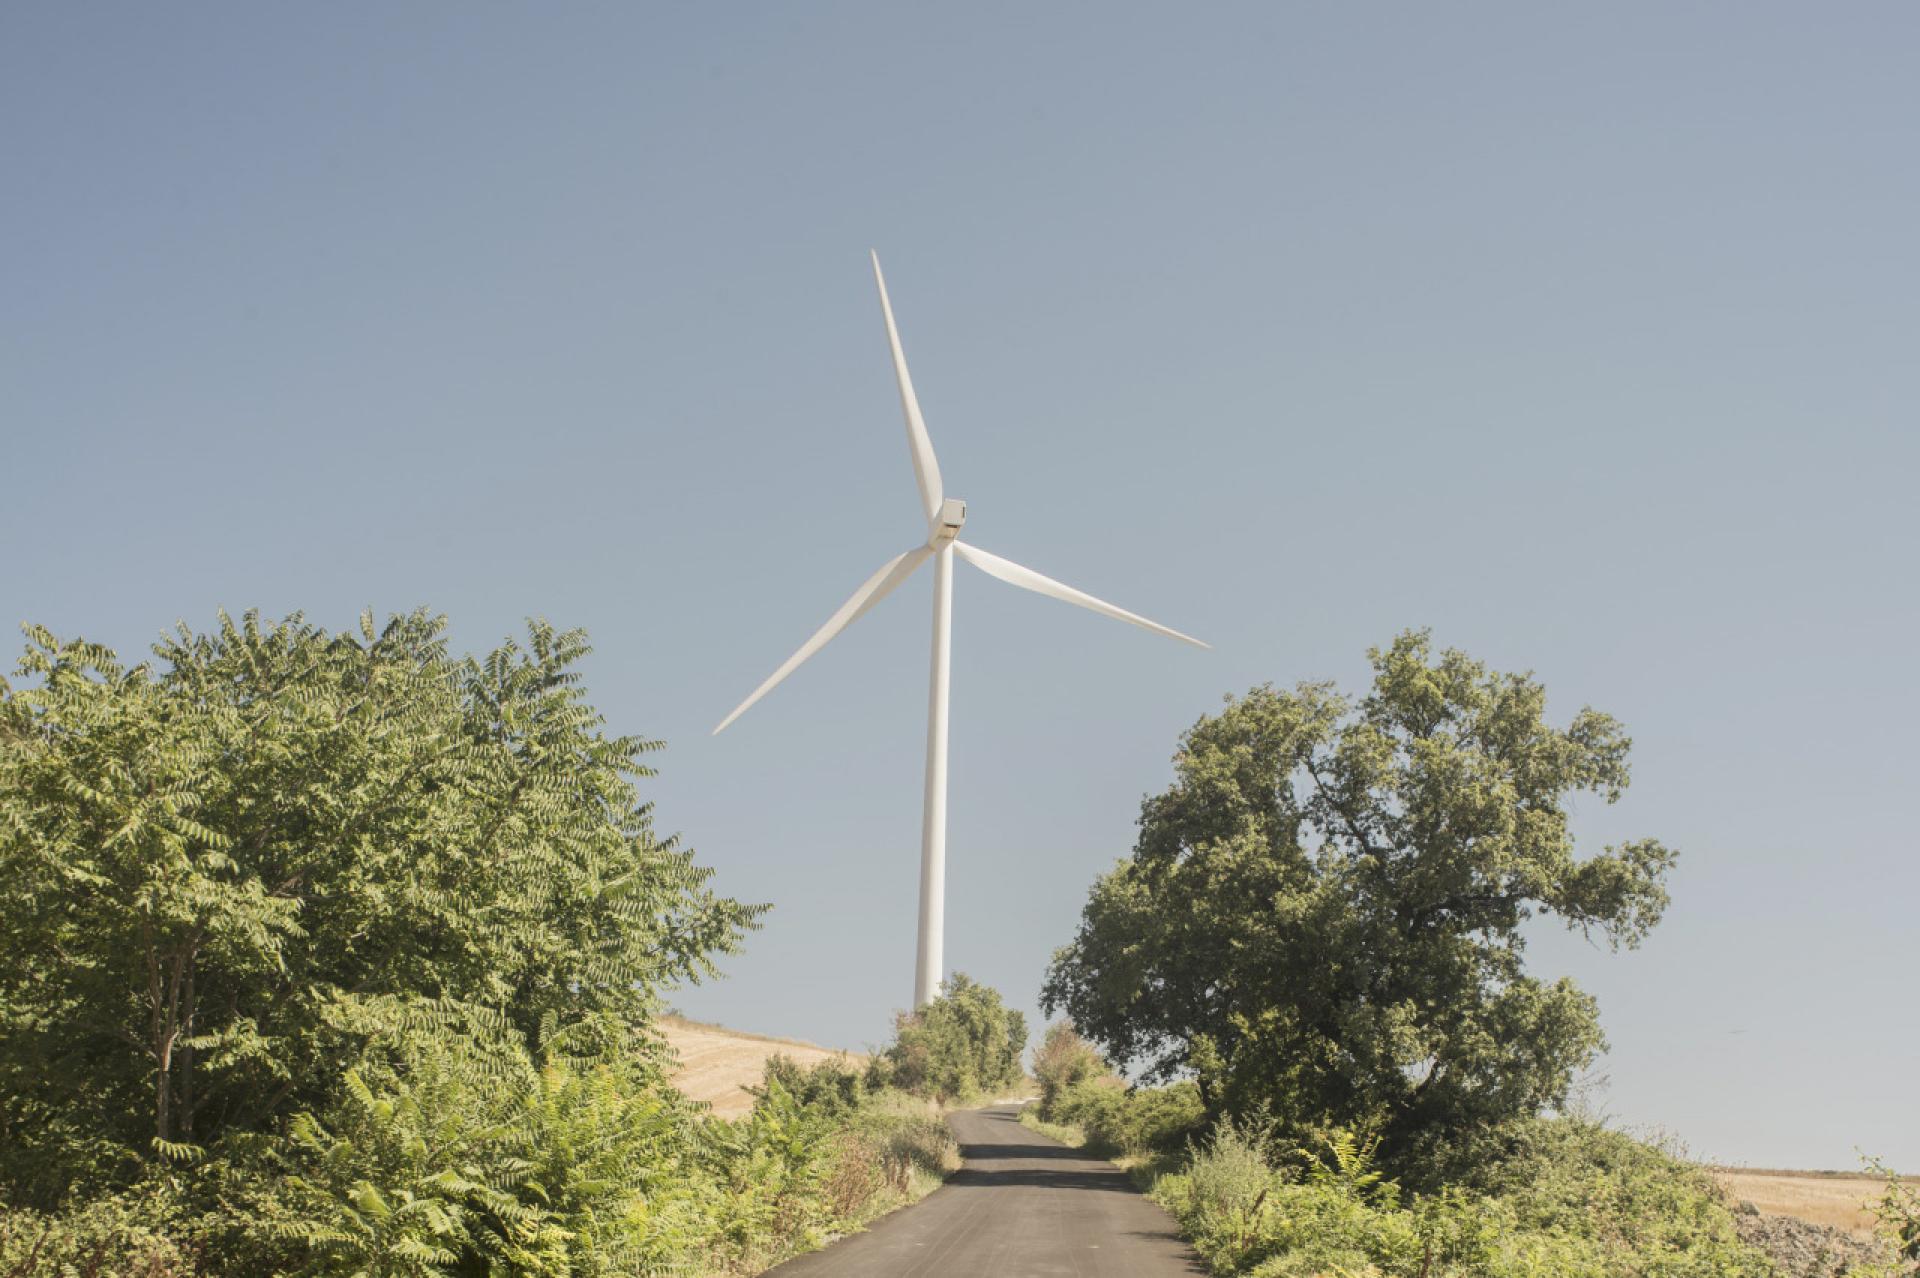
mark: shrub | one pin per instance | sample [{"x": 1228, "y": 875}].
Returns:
[
  {"x": 131, "y": 1235},
  {"x": 1062, "y": 1062},
  {"x": 796, "y": 1175},
  {"x": 1898, "y": 1217},
  {"x": 891, "y": 1150},
  {"x": 443, "y": 1163},
  {"x": 448, "y": 1158},
  {"x": 831, "y": 1086},
  {"x": 1572, "y": 1201},
  {"x": 1146, "y": 1120}
]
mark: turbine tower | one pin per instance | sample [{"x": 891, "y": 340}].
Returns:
[{"x": 945, "y": 517}]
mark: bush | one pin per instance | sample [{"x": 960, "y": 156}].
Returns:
[
  {"x": 796, "y": 1175},
  {"x": 962, "y": 1044},
  {"x": 1899, "y": 1216},
  {"x": 227, "y": 868},
  {"x": 1062, "y": 1062},
  {"x": 1146, "y": 1120},
  {"x": 1572, "y": 1200},
  {"x": 132, "y": 1235},
  {"x": 892, "y": 1150},
  {"x": 447, "y": 1157},
  {"x": 337, "y": 955},
  {"x": 445, "y": 1163},
  {"x": 831, "y": 1086}
]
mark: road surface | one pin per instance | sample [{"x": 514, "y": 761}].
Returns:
[{"x": 1022, "y": 1207}]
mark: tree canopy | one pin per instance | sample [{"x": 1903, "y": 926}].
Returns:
[
  {"x": 226, "y": 867},
  {"x": 1322, "y": 916},
  {"x": 963, "y": 1043}
]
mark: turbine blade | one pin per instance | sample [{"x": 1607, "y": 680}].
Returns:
[
  {"x": 871, "y": 592},
  {"x": 1027, "y": 579},
  {"x": 926, "y": 468}
]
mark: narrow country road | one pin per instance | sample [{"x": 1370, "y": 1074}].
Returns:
[{"x": 1022, "y": 1207}]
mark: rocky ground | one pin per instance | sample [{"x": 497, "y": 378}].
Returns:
[{"x": 1801, "y": 1249}]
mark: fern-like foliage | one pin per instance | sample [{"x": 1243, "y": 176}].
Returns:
[{"x": 231, "y": 869}]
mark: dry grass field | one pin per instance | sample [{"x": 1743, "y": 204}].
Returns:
[
  {"x": 1842, "y": 1200},
  {"x": 717, "y": 1065}
]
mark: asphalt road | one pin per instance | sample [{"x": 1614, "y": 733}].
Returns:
[{"x": 1022, "y": 1207}]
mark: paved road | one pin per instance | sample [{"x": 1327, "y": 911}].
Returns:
[{"x": 1022, "y": 1207}]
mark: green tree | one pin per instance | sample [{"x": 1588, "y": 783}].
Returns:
[
  {"x": 1062, "y": 1062},
  {"x": 229, "y": 868},
  {"x": 1322, "y": 917},
  {"x": 964, "y": 1042}
]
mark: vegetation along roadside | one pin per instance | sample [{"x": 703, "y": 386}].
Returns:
[
  {"x": 336, "y": 953},
  {"x": 1316, "y": 949}
]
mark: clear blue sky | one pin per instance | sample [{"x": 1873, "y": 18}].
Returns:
[{"x": 1586, "y": 337}]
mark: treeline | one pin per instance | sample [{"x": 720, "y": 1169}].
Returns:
[
  {"x": 334, "y": 953},
  {"x": 1317, "y": 948}
]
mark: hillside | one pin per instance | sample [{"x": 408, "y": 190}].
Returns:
[{"x": 717, "y": 1064}]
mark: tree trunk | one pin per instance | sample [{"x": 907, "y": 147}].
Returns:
[{"x": 186, "y": 1059}]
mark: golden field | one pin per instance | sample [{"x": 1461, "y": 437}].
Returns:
[
  {"x": 717, "y": 1064},
  {"x": 1842, "y": 1200}
]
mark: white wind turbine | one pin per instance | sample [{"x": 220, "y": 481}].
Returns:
[{"x": 945, "y": 515}]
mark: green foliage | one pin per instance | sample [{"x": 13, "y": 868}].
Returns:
[
  {"x": 963, "y": 1044},
  {"x": 230, "y": 869},
  {"x": 1118, "y": 1120},
  {"x": 1322, "y": 917},
  {"x": 437, "y": 1162},
  {"x": 796, "y": 1173},
  {"x": 1062, "y": 1062},
  {"x": 831, "y": 1087},
  {"x": 339, "y": 954},
  {"x": 119, "y": 1236},
  {"x": 1571, "y": 1201},
  {"x": 442, "y": 1160},
  {"x": 1898, "y": 1213}
]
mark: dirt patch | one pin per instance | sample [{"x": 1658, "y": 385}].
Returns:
[{"x": 717, "y": 1064}]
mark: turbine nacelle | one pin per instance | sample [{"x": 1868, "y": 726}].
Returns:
[{"x": 946, "y": 522}]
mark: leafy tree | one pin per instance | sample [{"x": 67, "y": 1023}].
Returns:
[
  {"x": 229, "y": 869},
  {"x": 1063, "y": 1061},
  {"x": 1321, "y": 919},
  {"x": 964, "y": 1042}
]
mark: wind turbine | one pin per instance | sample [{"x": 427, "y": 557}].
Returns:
[{"x": 945, "y": 517}]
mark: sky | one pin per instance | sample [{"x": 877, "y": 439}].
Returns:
[{"x": 1584, "y": 337}]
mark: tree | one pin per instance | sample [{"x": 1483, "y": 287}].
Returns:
[
  {"x": 1062, "y": 1062},
  {"x": 226, "y": 869},
  {"x": 964, "y": 1042},
  {"x": 1321, "y": 919}
]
